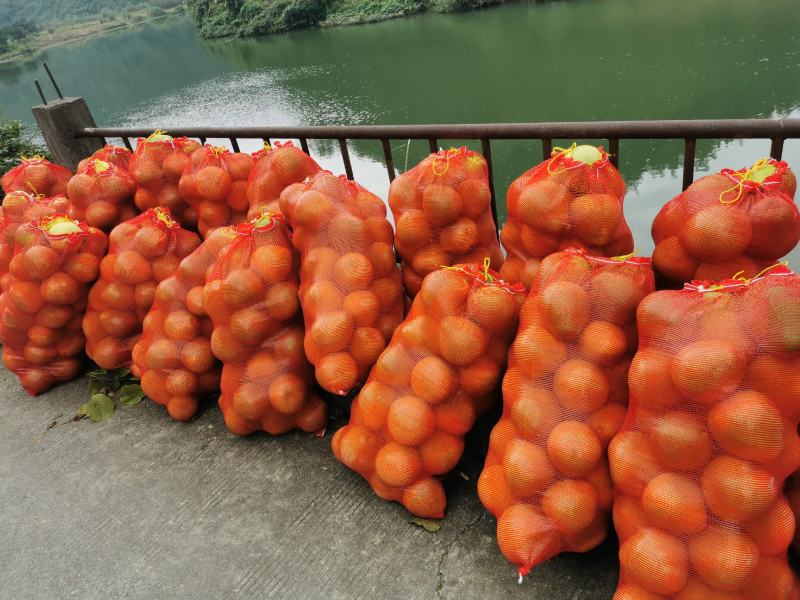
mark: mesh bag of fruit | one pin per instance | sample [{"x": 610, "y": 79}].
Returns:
[
  {"x": 156, "y": 166},
  {"x": 727, "y": 223},
  {"x": 214, "y": 183},
  {"x": 709, "y": 439},
  {"x": 116, "y": 155},
  {"x": 102, "y": 195},
  {"x": 142, "y": 252},
  {"x": 443, "y": 215},
  {"x": 38, "y": 176},
  {"x": 18, "y": 208},
  {"x": 350, "y": 287},
  {"x": 251, "y": 297},
  {"x": 55, "y": 261},
  {"x": 573, "y": 199},
  {"x": 438, "y": 374},
  {"x": 173, "y": 356},
  {"x": 565, "y": 394},
  {"x": 275, "y": 168}
]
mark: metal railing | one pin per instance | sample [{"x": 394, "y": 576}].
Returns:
[{"x": 775, "y": 130}]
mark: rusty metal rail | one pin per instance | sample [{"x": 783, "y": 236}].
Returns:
[{"x": 775, "y": 130}]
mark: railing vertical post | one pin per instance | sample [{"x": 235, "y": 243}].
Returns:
[
  {"x": 387, "y": 156},
  {"x": 688, "y": 161},
  {"x": 60, "y": 121},
  {"x": 433, "y": 144},
  {"x": 348, "y": 168},
  {"x": 613, "y": 151},
  {"x": 776, "y": 148},
  {"x": 547, "y": 148},
  {"x": 486, "y": 149}
]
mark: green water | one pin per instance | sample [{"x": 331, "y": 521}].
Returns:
[{"x": 562, "y": 61}]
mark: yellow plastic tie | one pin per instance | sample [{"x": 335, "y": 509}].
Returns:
[
  {"x": 558, "y": 152},
  {"x": 487, "y": 262},
  {"x": 739, "y": 276},
  {"x": 453, "y": 151},
  {"x": 263, "y": 220},
  {"x": 154, "y": 134},
  {"x": 624, "y": 257},
  {"x": 743, "y": 177},
  {"x": 163, "y": 215},
  {"x": 267, "y": 147}
]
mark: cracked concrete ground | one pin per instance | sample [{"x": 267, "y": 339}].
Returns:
[{"x": 142, "y": 507}]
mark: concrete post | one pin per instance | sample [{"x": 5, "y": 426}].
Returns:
[{"x": 59, "y": 121}]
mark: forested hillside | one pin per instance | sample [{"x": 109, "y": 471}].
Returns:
[
  {"x": 46, "y": 12},
  {"x": 217, "y": 18}
]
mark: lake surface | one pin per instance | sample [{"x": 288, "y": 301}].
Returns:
[{"x": 563, "y": 61}]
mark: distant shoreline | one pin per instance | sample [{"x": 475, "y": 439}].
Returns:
[
  {"x": 215, "y": 19},
  {"x": 80, "y": 31}
]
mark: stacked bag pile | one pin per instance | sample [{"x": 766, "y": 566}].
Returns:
[{"x": 673, "y": 413}]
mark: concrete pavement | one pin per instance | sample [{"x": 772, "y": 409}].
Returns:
[{"x": 142, "y": 507}]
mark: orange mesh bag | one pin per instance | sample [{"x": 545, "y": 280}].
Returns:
[
  {"x": 439, "y": 373},
  {"x": 18, "y": 208},
  {"x": 156, "y": 166},
  {"x": 102, "y": 195},
  {"x": 37, "y": 175},
  {"x": 55, "y": 261},
  {"x": 565, "y": 393},
  {"x": 728, "y": 223},
  {"x": 142, "y": 252},
  {"x": 173, "y": 356},
  {"x": 574, "y": 199},
  {"x": 709, "y": 438},
  {"x": 214, "y": 183},
  {"x": 275, "y": 168},
  {"x": 116, "y": 155},
  {"x": 350, "y": 287},
  {"x": 251, "y": 297},
  {"x": 443, "y": 215}
]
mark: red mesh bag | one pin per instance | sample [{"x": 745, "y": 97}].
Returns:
[
  {"x": 350, "y": 287},
  {"x": 173, "y": 356},
  {"x": 38, "y": 176},
  {"x": 156, "y": 166},
  {"x": 102, "y": 195},
  {"x": 251, "y": 297},
  {"x": 728, "y": 223},
  {"x": 142, "y": 252},
  {"x": 574, "y": 199},
  {"x": 55, "y": 261},
  {"x": 439, "y": 373},
  {"x": 709, "y": 438},
  {"x": 116, "y": 155},
  {"x": 442, "y": 210},
  {"x": 565, "y": 393},
  {"x": 275, "y": 168},
  {"x": 214, "y": 183},
  {"x": 18, "y": 208}
]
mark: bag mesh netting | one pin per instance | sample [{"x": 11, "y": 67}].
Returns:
[
  {"x": 710, "y": 436},
  {"x": 565, "y": 394},
  {"x": 438, "y": 374},
  {"x": 571, "y": 200}
]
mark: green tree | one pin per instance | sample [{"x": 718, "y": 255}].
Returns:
[{"x": 15, "y": 142}]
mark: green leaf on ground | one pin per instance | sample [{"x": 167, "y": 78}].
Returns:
[
  {"x": 428, "y": 525},
  {"x": 99, "y": 408},
  {"x": 130, "y": 394}
]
